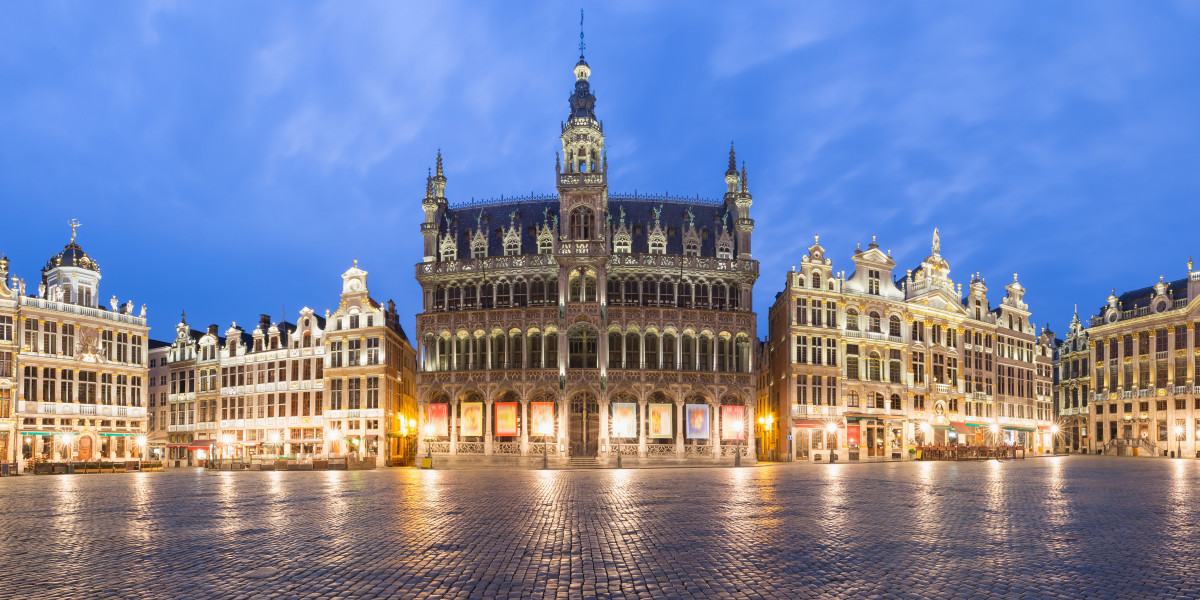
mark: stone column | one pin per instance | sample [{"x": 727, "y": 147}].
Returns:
[
  {"x": 421, "y": 441},
  {"x": 488, "y": 405},
  {"x": 642, "y": 420},
  {"x": 679, "y": 433},
  {"x": 606, "y": 439},
  {"x": 453, "y": 425},
  {"x": 525, "y": 423}
]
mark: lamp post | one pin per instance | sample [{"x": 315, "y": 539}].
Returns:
[
  {"x": 140, "y": 442},
  {"x": 274, "y": 439},
  {"x": 737, "y": 456},
  {"x": 1054, "y": 439},
  {"x": 1179, "y": 441},
  {"x": 831, "y": 430},
  {"x": 995, "y": 429}
]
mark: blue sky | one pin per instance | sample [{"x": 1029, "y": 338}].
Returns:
[{"x": 232, "y": 158}]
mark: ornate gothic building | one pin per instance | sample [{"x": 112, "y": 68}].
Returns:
[{"x": 587, "y": 323}]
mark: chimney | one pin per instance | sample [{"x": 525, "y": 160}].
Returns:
[
  {"x": 264, "y": 322},
  {"x": 212, "y": 330}
]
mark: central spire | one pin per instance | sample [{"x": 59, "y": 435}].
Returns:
[{"x": 581, "y": 44}]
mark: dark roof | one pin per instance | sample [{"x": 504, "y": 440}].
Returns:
[
  {"x": 639, "y": 218},
  {"x": 152, "y": 344},
  {"x": 1141, "y": 297},
  {"x": 72, "y": 256}
]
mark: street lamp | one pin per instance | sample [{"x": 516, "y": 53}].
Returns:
[
  {"x": 140, "y": 442},
  {"x": 275, "y": 439},
  {"x": 67, "y": 440},
  {"x": 1054, "y": 438},
  {"x": 831, "y": 429},
  {"x": 545, "y": 429},
  {"x": 1179, "y": 441}
]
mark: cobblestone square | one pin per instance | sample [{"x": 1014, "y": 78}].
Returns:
[{"x": 1065, "y": 527}]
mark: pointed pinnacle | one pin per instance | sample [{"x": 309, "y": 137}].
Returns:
[
  {"x": 745, "y": 179},
  {"x": 732, "y": 161},
  {"x": 439, "y": 163}
]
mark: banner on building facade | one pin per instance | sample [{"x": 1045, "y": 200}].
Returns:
[
  {"x": 624, "y": 419},
  {"x": 660, "y": 421},
  {"x": 696, "y": 421},
  {"x": 472, "y": 418},
  {"x": 506, "y": 418},
  {"x": 435, "y": 415},
  {"x": 732, "y": 424},
  {"x": 542, "y": 416}
]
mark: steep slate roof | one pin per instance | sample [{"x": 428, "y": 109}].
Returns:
[
  {"x": 1141, "y": 297},
  {"x": 639, "y": 217}
]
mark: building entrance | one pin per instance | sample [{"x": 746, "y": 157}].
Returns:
[
  {"x": 874, "y": 440},
  {"x": 584, "y": 425}
]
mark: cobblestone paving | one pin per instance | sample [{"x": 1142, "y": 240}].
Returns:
[{"x": 1041, "y": 528}]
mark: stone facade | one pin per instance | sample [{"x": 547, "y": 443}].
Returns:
[
  {"x": 72, "y": 372},
  {"x": 336, "y": 385},
  {"x": 1144, "y": 356},
  {"x": 611, "y": 316},
  {"x": 877, "y": 364}
]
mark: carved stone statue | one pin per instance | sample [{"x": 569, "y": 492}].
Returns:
[
  {"x": 937, "y": 242},
  {"x": 42, "y": 291},
  {"x": 112, "y": 303},
  {"x": 143, "y": 315}
]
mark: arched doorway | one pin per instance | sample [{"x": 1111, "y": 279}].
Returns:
[
  {"x": 85, "y": 447},
  {"x": 584, "y": 425}
]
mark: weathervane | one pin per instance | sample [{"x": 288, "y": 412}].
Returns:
[
  {"x": 581, "y": 44},
  {"x": 74, "y": 223}
]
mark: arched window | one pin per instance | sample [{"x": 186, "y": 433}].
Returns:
[
  {"x": 520, "y": 293},
  {"x": 668, "y": 352},
  {"x": 652, "y": 351},
  {"x": 582, "y": 223},
  {"x": 724, "y": 250},
  {"x": 581, "y": 349},
  {"x": 816, "y": 280},
  {"x": 582, "y": 286},
  {"x": 874, "y": 367},
  {"x": 705, "y": 352},
  {"x": 894, "y": 326},
  {"x": 875, "y": 324},
  {"x": 633, "y": 347},
  {"x": 851, "y": 319},
  {"x": 879, "y": 400},
  {"x": 688, "y": 354},
  {"x": 852, "y": 399},
  {"x": 614, "y": 350},
  {"x": 691, "y": 247},
  {"x": 502, "y": 293}
]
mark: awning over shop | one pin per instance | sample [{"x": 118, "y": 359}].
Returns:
[
  {"x": 1015, "y": 428},
  {"x": 977, "y": 424},
  {"x": 808, "y": 423},
  {"x": 37, "y": 433},
  {"x": 961, "y": 428},
  {"x": 1043, "y": 428}
]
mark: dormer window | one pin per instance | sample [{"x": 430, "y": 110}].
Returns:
[
  {"x": 724, "y": 250},
  {"x": 873, "y": 281},
  {"x": 512, "y": 247},
  {"x": 622, "y": 245},
  {"x": 478, "y": 248},
  {"x": 816, "y": 280},
  {"x": 691, "y": 248},
  {"x": 545, "y": 245},
  {"x": 658, "y": 245}
]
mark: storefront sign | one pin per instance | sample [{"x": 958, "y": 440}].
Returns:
[
  {"x": 624, "y": 419},
  {"x": 435, "y": 415},
  {"x": 732, "y": 427},
  {"x": 506, "y": 418},
  {"x": 472, "y": 419},
  {"x": 542, "y": 417},
  {"x": 660, "y": 421},
  {"x": 696, "y": 421}
]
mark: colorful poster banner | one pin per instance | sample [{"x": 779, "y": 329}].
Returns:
[
  {"x": 660, "y": 421},
  {"x": 435, "y": 415},
  {"x": 506, "y": 418},
  {"x": 852, "y": 435},
  {"x": 695, "y": 420},
  {"x": 733, "y": 427},
  {"x": 542, "y": 416},
  {"x": 624, "y": 420},
  {"x": 472, "y": 419}
]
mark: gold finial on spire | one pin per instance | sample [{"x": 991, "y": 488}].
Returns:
[
  {"x": 356, "y": 263},
  {"x": 1189, "y": 263},
  {"x": 816, "y": 239},
  {"x": 74, "y": 223}
]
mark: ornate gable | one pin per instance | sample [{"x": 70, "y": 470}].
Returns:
[{"x": 656, "y": 236}]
